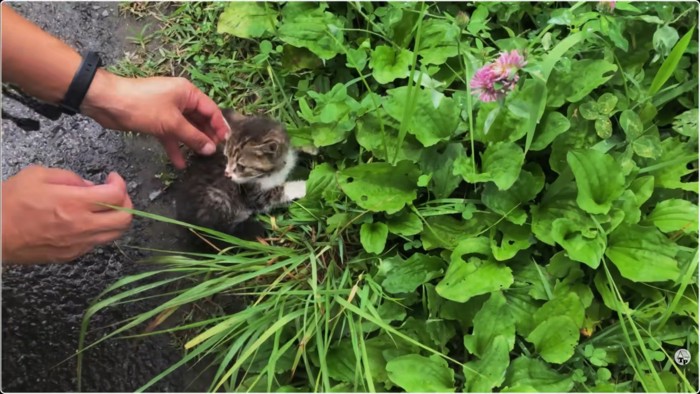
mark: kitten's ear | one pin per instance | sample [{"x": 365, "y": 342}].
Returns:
[
  {"x": 233, "y": 120},
  {"x": 269, "y": 147}
]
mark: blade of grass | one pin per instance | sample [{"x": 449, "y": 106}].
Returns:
[
  {"x": 669, "y": 65},
  {"x": 413, "y": 87},
  {"x": 279, "y": 324}
]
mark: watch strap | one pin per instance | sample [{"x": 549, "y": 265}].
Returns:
[{"x": 81, "y": 83}]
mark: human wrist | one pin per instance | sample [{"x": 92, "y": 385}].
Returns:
[
  {"x": 102, "y": 97},
  {"x": 9, "y": 236}
]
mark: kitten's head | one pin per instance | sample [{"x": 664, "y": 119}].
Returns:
[{"x": 256, "y": 147}]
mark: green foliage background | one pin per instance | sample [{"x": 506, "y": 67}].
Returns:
[{"x": 545, "y": 243}]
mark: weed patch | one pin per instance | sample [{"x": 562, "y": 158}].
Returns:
[{"x": 505, "y": 196}]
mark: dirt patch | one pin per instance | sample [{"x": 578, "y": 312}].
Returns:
[{"x": 42, "y": 306}]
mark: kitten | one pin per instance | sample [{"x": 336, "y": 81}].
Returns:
[{"x": 244, "y": 177}]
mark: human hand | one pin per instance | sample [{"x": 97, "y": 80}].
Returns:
[
  {"x": 52, "y": 215},
  {"x": 171, "y": 109}
]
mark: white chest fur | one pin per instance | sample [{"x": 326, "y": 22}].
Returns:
[{"x": 278, "y": 178}]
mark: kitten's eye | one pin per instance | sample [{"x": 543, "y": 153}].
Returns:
[{"x": 241, "y": 167}]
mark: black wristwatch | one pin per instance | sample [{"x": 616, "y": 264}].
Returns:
[{"x": 81, "y": 83}]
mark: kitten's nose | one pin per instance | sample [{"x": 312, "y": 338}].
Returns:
[{"x": 227, "y": 172}]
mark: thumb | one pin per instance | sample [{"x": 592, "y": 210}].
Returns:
[{"x": 192, "y": 137}]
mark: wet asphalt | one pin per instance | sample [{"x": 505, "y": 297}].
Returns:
[{"x": 43, "y": 305}]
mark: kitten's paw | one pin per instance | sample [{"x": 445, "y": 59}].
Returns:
[
  {"x": 309, "y": 150},
  {"x": 294, "y": 190}
]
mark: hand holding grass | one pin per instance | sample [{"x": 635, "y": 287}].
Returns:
[{"x": 52, "y": 215}]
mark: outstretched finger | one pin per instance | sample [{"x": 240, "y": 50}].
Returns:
[
  {"x": 172, "y": 149},
  {"x": 192, "y": 137},
  {"x": 201, "y": 107}
]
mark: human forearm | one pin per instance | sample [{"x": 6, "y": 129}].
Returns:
[
  {"x": 172, "y": 109},
  {"x": 40, "y": 64}
]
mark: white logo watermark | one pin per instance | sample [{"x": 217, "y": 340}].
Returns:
[{"x": 682, "y": 357}]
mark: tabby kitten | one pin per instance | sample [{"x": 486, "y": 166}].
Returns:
[{"x": 246, "y": 177}]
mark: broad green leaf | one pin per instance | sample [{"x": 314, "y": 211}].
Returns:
[
  {"x": 317, "y": 30},
  {"x": 495, "y": 123},
  {"x": 247, "y": 19},
  {"x": 404, "y": 276},
  {"x": 557, "y": 205},
  {"x": 522, "y": 307},
  {"x": 555, "y": 339},
  {"x": 631, "y": 124},
  {"x": 615, "y": 31},
  {"x": 567, "y": 304},
  {"x": 607, "y": 103},
  {"x": 333, "y": 116},
  {"x": 296, "y": 59},
  {"x": 490, "y": 370},
  {"x": 493, "y": 320},
  {"x": 373, "y": 236},
  {"x": 430, "y": 124},
  {"x": 326, "y": 134},
  {"x": 438, "y": 161},
  {"x": 507, "y": 239},
  {"x": 443, "y": 231},
  {"x": 438, "y": 41},
  {"x": 292, "y": 10},
  {"x": 478, "y": 22},
  {"x": 553, "y": 125},
  {"x": 671, "y": 62},
  {"x": 589, "y": 110},
  {"x": 581, "y": 243},
  {"x": 558, "y": 52},
  {"x": 643, "y": 188},
  {"x": 671, "y": 166},
  {"x": 399, "y": 20},
  {"x": 321, "y": 187},
  {"x": 342, "y": 359},
  {"x": 648, "y": 145},
  {"x": 476, "y": 275},
  {"x": 415, "y": 373},
  {"x": 380, "y": 186},
  {"x": 387, "y": 64},
  {"x": 405, "y": 223},
  {"x": 440, "y": 332},
  {"x": 510, "y": 203},
  {"x": 342, "y": 362},
  {"x": 369, "y": 135},
  {"x": 643, "y": 254},
  {"x": 603, "y": 127},
  {"x": 675, "y": 215},
  {"x": 665, "y": 37},
  {"x": 501, "y": 164},
  {"x": 687, "y": 124},
  {"x": 432, "y": 331},
  {"x": 599, "y": 179},
  {"x": 528, "y": 372},
  {"x": 571, "y": 282},
  {"x": 356, "y": 58},
  {"x": 579, "y": 81},
  {"x": 561, "y": 16}
]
